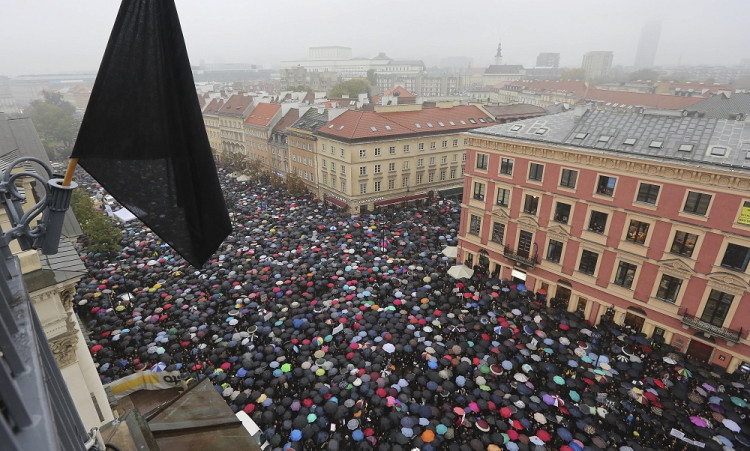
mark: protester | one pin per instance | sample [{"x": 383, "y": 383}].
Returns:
[{"x": 336, "y": 331}]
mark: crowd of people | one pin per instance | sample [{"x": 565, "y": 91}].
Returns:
[{"x": 339, "y": 331}]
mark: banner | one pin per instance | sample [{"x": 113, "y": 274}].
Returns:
[{"x": 145, "y": 380}]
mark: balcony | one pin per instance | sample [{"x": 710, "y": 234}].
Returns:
[
  {"x": 696, "y": 323},
  {"x": 525, "y": 260}
]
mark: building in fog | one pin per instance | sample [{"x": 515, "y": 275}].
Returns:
[
  {"x": 548, "y": 60},
  {"x": 339, "y": 60},
  {"x": 300, "y": 76},
  {"x": 597, "y": 64},
  {"x": 644, "y": 213},
  {"x": 647, "y": 45}
]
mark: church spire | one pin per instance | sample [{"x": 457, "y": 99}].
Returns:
[{"x": 499, "y": 54}]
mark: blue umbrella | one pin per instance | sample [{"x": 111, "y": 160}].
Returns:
[
  {"x": 460, "y": 381},
  {"x": 358, "y": 435},
  {"x": 507, "y": 365},
  {"x": 296, "y": 435},
  {"x": 572, "y": 363},
  {"x": 564, "y": 434}
]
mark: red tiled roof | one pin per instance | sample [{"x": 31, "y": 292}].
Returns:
[
  {"x": 237, "y": 105},
  {"x": 213, "y": 107},
  {"x": 576, "y": 88},
  {"x": 356, "y": 124},
  {"x": 622, "y": 98},
  {"x": 289, "y": 118},
  {"x": 262, "y": 115},
  {"x": 402, "y": 92}
]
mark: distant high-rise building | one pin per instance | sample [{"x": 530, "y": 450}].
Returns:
[
  {"x": 597, "y": 64},
  {"x": 548, "y": 60},
  {"x": 647, "y": 45}
]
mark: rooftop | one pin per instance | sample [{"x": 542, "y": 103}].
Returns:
[
  {"x": 263, "y": 114},
  {"x": 237, "y": 105},
  {"x": 722, "y": 106},
  {"x": 311, "y": 121},
  {"x": 363, "y": 125},
  {"x": 651, "y": 135}
]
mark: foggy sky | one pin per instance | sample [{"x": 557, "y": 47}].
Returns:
[{"x": 53, "y": 36}]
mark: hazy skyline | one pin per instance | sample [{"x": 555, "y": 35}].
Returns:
[{"x": 46, "y": 36}]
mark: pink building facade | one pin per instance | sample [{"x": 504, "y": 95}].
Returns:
[{"x": 600, "y": 210}]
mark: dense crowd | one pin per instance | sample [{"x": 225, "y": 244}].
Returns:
[{"x": 337, "y": 331}]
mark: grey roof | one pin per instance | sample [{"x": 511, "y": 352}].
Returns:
[
  {"x": 311, "y": 121},
  {"x": 19, "y": 138},
  {"x": 642, "y": 132},
  {"x": 66, "y": 264},
  {"x": 723, "y": 107}
]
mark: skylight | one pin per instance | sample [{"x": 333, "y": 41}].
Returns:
[
  {"x": 341, "y": 128},
  {"x": 604, "y": 138},
  {"x": 656, "y": 144},
  {"x": 463, "y": 122},
  {"x": 719, "y": 151},
  {"x": 429, "y": 124},
  {"x": 331, "y": 126},
  {"x": 441, "y": 124},
  {"x": 515, "y": 128},
  {"x": 372, "y": 127},
  {"x": 685, "y": 148},
  {"x": 580, "y": 135},
  {"x": 541, "y": 131},
  {"x": 417, "y": 125},
  {"x": 482, "y": 120},
  {"x": 472, "y": 121},
  {"x": 451, "y": 122},
  {"x": 629, "y": 141},
  {"x": 388, "y": 127}
]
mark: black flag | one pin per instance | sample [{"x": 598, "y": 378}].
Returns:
[{"x": 143, "y": 137}]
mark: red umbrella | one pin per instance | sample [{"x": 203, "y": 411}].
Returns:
[
  {"x": 96, "y": 348},
  {"x": 505, "y": 412},
  {"x": 544, "y": 435}
]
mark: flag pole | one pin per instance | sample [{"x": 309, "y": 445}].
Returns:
[{"x": 69, "y": 172}]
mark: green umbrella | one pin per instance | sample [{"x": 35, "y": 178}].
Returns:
[
  {"x": 311, "y": 418},
  {"x": 574, "y": 395},
  {"x": 587, "y": 359},
  {"x": 484, "y": 369},
  {"x": 286, "y": 367},
  {"x": 321, "y": 372},
  {"x": 549, "y": 350},
  {"x": 559, "y": 380},
  {"x": 738, "y": 401}
]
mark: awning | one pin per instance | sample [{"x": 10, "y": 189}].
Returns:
[
  {"x": 397, "y": 200},
  {"x": 337, "y": 202},
  {"x": 452, "y": 191}
]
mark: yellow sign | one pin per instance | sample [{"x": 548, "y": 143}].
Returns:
[{"x": 744, "y": 216}]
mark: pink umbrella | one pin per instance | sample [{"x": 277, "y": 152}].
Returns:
[{"x": 698, "y": 421}]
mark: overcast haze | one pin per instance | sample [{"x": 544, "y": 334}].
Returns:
[{"x": 46, "y": 36}]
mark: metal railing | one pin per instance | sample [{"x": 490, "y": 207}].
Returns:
[
  {"x": 723, "y": 332},
  {"x": 36, "y": 410},
  {"x": 530, "y": 260}
]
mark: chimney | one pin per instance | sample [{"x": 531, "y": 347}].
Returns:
[{"x": 579, "y": 111}]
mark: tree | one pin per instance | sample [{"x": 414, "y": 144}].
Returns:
[
  {"x": 351, "y": 88},
  {"x": 372, "y": 77},
  {"x": 300, "y": 88},
  {"x": 100, "y": 233},
  {"x": 644, "y": 74},
  {"x": 55, "y": 122},
  {"x": 573, "y": 74},
  {"x": 295, "y": 185}
]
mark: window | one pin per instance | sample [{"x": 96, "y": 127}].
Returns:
[
  {"x": 637, "y": 231},
  {"x": 343, "y": 170},
  {"x": 588, "y": 262},
  {"x": 647, "y": 193},
  {"x": 406, "y": 164},
  {"x": 685, "y": 148},
  {"x": 466, "y": 141},
  {"x": 363, "y": 188},
  {"x": 404, "y": 181},
  {"x": 536, "y": 171},
  {"x": 377, "y": 151},
  {"x": 717, "y": 308},
  {"x": 444, "y": 159},
  {"x": 420, "y": 162},
  {"x": 377, "y": 169},
  {"x": 697, "y": 203},
  {"x": 498, "y": 232},
  {"x": 455, "y": 143},
  {"x": 343, "y": 186},
  {"x": 463, "y": 156},
  {"x": 333, "y": 166},
  {"x": 455, "y": 157},
  {"x": 736, "y": 257},
  {"x": 391, "y": 167},
  {"x": 444, "y": 144},
  {"x": 479, "y": 190},
  {"x": 431, "y": 177},
  {"x": 554, "y": 251},
  {"x": 377, "y": 187},
  {"x": 625, "y": 275},
  {"x": 325, "y": 178},
  {"x": 503, "y": 197},
  {"x": 342, "y": 152},
  {"x": 362, "y": 153},
  {"x": 475, "y": 225},
  {"x": 562, "y": 212},
  {"x": 433, "y": 145},
  {"x": 598, "y": 221},
  {"x": 363, "y": 170},
  {"x": 453, "y": 173},
  {"x": 629, "y": 141},
  {"x": 406, "y": 149},
  {"x": 656, "y": 144},
  {"x": 432, "y": 161},
  {"x": 669, "y": 288},
  {"x": 482, "y": 160},
  {"x": 333, "y": 150},
  {"x": 684, "y": 243},
  {"x": 442, "y": 175},
  {"x": 568, "y": 178},
  {"x": 392, "y": 150},
  {"x": 606, "y": 185},
  {"x": 324, "y": 163},
  {"x": 421, "y": 146},
  {"x": 506, "y": 166},
  {"x": 419, "y": 179},
  {"x": 392, "y": 184},
  {"x": 530, "y": 204}
]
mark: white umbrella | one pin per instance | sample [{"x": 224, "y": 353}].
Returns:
[
  {"x": 460, "y": 272},
  {"x": 450, "y": 251}
]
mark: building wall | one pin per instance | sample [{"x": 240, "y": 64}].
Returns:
[
  {"x": 616, "y": 243},
  {"x": 232, "y": 134},
  {"x": 406, "y": 177},
  {"x": 302, "y": 150}
]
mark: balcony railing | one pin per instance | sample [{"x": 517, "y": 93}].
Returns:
[
  {"x": 530, "y": 261},
  {"x": 723, "y": 332}
]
